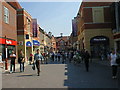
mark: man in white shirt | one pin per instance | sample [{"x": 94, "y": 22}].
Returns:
[
  {"x": 113, "y": 63},
  {"x": 12, "y": 63}
]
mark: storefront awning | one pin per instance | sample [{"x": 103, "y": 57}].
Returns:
[
  {"x": 28, "y": 44},
  {"x": 36, "y": 43}
]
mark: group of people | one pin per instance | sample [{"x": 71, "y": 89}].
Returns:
[
  {"x": 21, "y": 60},
  {"x": 60, "y": 56},
  {"x": 81, "y": 56}
]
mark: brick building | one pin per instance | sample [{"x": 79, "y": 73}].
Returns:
[
  {"x": 54, "y": 49},
  {"x": 94, "y": 28},
  {"x": 24, "y": 32},
  {"x": 62, "y": 43},
  {"x": 8, "y": 35},
  {"x": 115, "y": 12}
]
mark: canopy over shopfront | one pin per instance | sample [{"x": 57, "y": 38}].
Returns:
[
  {"x": 28, "y": 44},
  {"x": 36, "y": 43}
]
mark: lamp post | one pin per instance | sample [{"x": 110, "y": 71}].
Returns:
[{"x": 6, "y": 60}]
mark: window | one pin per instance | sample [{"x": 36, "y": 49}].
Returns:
[
  {"x": 28, "y": 25},
  {"x": 98, "y": 15},
  {"x": 6, "y": 15},
  {"x": 27, "y": 36}
]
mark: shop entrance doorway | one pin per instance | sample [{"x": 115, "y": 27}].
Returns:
[{"x": 99, "y": 46}]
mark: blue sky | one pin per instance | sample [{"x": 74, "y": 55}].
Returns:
[{"x": 53, "y": 16}]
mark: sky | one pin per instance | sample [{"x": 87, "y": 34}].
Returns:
[{"x": 55, "y": 17}]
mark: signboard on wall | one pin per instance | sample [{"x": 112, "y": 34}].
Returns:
[
  {"x": 7, "y": 41},
  {"x": 34, "y": 27},
  {"x": 20, "y": 42},
  {"x": 74, "y": 27}
]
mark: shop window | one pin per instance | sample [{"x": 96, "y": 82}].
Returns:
[
  {"x": 27, "y": 36},
  {"x": 6, "y": 15}
]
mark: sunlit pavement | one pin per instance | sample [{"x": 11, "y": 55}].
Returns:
[{"x": 58, "y": 75}]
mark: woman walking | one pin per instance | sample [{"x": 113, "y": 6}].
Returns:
[
  {"x": 21, "y": 60},
  {"x": 113, "y": 57},
  {"x": 37, "y": 59}
]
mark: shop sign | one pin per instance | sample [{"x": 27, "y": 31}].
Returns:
[
  {"x": 34, "y": 27},
  {"x": 100, "y": 39},
  {"x": 8, "y": 42},
  {"x": 20, "y": 42},
  {"x": 28, "y": 44},
  {"x": 36, "y": 43}
]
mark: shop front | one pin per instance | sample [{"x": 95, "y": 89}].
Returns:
[
  {"x": 36, "y": 45},
  {"x": 99, "y": 46},
  {"x": 6, "y": 47},
  {"x": 28, "y": 49}
]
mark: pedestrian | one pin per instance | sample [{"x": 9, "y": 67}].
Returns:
[
  {"x": 53, "y": 56},
  {"x": 21, "y": 60},
  {"x": 46, "y": 57},
  {"x": 56, "y": 56},
  {"x": 86, "y": 60},
  {"x": 63, "y": 57},
  {"x": 37, "y": 58},
  {"x": 1, "y": 62},
  {"x": 113, "y": 57},
  {"x": 83, "y": 55},
  {"x": 12, "y": 62},
  {"x": 59, "y": 55},
  {"x": 30, "y": 59}
]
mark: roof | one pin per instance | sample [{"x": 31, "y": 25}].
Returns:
[
  {"x": 65, "y": 38},
  {"x": 15, "y": 4}
]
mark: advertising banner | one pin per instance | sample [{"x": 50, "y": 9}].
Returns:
[
  {"x": 34, "y": 27},
  {"x": 74, "y": 27}
]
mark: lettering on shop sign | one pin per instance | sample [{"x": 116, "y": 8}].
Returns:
[
  {"x": 8, "y": 42},
  {"x": 99, "y": 39}
]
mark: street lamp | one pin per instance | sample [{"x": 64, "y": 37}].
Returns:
[
  {"x": 61, "y": 34},
  {"x": 6, "y": 60}
]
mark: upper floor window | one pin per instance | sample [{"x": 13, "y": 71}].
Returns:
[
  {"x": 6, "y": 15},
  {"x": 98, "y": 15},
  {"x": 27, "y": 36},
  {"x": 28, "y": 25}
]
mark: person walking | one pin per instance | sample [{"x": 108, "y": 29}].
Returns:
[
  {"x": 113, "y": 57},
  {"x": 59, "y": 55},
  {"x": 53, "y": 56},
  {"x": 1, "y": 61},
  {"x": 21, "y": 60},
  {"x": 86, "y": 60},
  {"x": 12, "y": 62},
  {"x": 56, "y": 56},
  {"x": 37, "y": 58},
  {"x": 31, "y": 58}
]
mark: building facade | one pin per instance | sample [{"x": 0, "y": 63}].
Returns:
[
  {"x": 24, "y": 32},
  {"x": 8, "y": 39},
  {"x": 54, "y": 49},
  {"x": 115, "y": 12},
  {"x": 62, "y": 43},
  {"x": 94, "y": 28}
]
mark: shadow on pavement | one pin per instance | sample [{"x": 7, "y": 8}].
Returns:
[
  {"x": 99, "y": 76},
  {"x": 27, "y": 75}
]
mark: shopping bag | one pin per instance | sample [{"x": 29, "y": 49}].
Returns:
[{"x": 33, "y": 67}]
